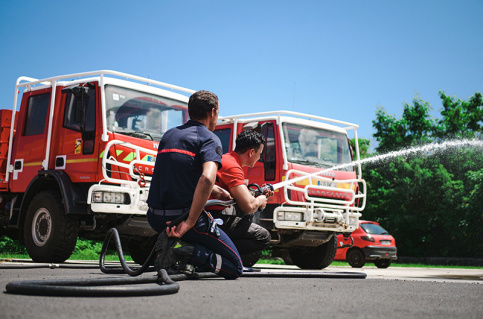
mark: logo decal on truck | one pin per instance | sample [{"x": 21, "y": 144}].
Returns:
[{"x": 78, "y": 144}]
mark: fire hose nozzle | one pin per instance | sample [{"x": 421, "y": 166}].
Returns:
[{"x": 256, "y": 190}]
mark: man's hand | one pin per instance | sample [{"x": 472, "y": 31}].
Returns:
[
  {"x": 177, "y": 231},
  {"x": 269, "y": 193},
  {"x": 262, "y": 201}
]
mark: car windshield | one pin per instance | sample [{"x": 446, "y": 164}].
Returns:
[
  {"x": 141, "y": 114},
  {"x": 316, "y": 147},
  {"x": 374, "y": 229}
]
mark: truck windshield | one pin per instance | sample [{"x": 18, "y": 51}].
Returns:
[
  {"x": 142, "y": 114},
  {"x": 316, "y": 147}
]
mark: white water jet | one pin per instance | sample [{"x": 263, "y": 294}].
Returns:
[
  {"x": 424, "y": 148},
  {"x": 404, "y": 152}
]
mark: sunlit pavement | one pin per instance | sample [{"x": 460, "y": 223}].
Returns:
[
  {"x": 399, "y": 273},
  {"x": 400, "y": 293},
  {"x": 393, "y": 272}
]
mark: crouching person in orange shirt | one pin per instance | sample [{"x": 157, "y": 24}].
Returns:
[{"x": 249, "y": 238}]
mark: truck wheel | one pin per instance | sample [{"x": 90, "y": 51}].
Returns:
[
  {"x": 251, "y": 259},
  {"x": 356, "y": 258},
  {"x": 382, "y": 263},
  {"x": 315, "y": 257},
  {"x": 140, "y": 248},
  {"x": 50, "y": 235}
]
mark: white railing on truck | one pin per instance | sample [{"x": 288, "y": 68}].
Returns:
[
  {"x": 131, "y": 166},
  {"x": 330, "y": 203},
  {"x": 277, "y": 115},
  {"x": 100, "y": 76}
]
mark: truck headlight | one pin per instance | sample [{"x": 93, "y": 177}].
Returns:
[
  {"x": 110, "y": 197},
  {"x": 290, "y": 216},
  {"x": 353, "y": 221}
]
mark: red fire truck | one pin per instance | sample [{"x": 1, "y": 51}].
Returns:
[
  {"x": 323, "y": 191},
  {"x": 77, "y": 156}
]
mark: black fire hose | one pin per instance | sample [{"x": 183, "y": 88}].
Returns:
[
  {"x": 149, "y": 261},
  {"x": 114, "y": 286},
  {"x": 117, "y": 286}
]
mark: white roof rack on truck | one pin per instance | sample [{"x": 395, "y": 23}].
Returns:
[
  {"x": 103, "y": 77},
  {"x": 278, "y": 114},
  {"x": 100, "y": 73}
]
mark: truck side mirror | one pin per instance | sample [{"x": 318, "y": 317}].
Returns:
[{"x": 81, "y": 98}]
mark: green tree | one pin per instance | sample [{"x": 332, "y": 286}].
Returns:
[
  {"x": 364, "y": 145},
  {"x": 432, "y": 202},
  {"x": 461, "y": 118},
  {"x": 415, "y": 127}
]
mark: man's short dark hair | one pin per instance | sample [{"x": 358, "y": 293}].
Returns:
[
  {"x": 247, "y": 140},
  {"x": 201, "y": 103}
]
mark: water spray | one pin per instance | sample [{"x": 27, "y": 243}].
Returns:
[{"x": 404, "y": 152}]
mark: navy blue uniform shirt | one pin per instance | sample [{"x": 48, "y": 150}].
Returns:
[{"x": 179, "y": 164}]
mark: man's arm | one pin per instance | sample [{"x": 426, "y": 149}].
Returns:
[
  {"x": 200, "y": 197},
  {"x": 245, "y": 201}
]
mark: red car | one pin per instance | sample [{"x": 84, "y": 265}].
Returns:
[{"x": 370, "y": 242}]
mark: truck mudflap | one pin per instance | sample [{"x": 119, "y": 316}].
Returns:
[{"x": 338, "y": 213}]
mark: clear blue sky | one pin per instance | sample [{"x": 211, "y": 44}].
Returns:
[{"x": 341, "y": 59}]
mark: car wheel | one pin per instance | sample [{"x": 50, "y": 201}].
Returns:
[
  {"x": 140, "y": 248},
  {"x": 356, "y": 258},
  {"x": 50, "y": 235},
  {"x": 315, "y": 257},
  {"x": 382, "y": 263}
]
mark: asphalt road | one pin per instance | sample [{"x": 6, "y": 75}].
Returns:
[{"x": 385, "y": 293}]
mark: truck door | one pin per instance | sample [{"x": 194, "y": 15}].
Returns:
[
  {"x": 264, "y": 170},
  {"x": 224, "y": 133},
  {"x": 31, "y": 137},
  {"x": 74, "y": 146}
]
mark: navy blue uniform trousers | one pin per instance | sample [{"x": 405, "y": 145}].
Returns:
[{"x": 213, "y": 252}]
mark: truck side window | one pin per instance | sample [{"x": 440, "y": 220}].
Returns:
[
  {"x": 37, "y": 108},
  {"x": 73, "y": 114},
  {"x": 224, "y": 135}
]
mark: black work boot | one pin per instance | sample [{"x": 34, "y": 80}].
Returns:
[
  {"x": 183, "y": 251},
  {"x": 164, "y": 252}
]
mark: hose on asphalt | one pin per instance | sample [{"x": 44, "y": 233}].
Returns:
[
  {"x": 130, "y": 286},
  {"x": 135, "y": 286},
  {"x": 149, "y": 261}
]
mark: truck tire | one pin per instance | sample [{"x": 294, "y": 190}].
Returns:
[
  {"x": 50, "y": 235},
  {"x": 140, "y": 248},
  {"x": 315, "y": 257},
  {"x": 251, "y": 259},
  {"x": 382, "y": 263},
  {"x": 356, "y": 258}
]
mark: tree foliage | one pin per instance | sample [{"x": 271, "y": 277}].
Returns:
[
  {"x": 432, "y": 202},
  {"x": 460, "y": 118}
]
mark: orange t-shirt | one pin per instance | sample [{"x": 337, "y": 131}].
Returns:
[
  {"x": 229, "y": 175},
  {"x": 231, "y": 172}
]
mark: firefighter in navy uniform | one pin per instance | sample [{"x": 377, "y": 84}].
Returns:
[{"x": 184, "y": 175}]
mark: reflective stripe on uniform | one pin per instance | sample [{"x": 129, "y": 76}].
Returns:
[
  {"x": 218, "y": 263},
  {"x": 176, "y": 150}
]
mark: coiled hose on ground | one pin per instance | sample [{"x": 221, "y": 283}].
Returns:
[{"x": 130, "y": 286}]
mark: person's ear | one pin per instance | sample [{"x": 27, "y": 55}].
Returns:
[{"x": 214, "y": 111}]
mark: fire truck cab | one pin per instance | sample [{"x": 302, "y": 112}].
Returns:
[
  {"x": 76, "y": 156},
  {"x": 323, "y": 191}
]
